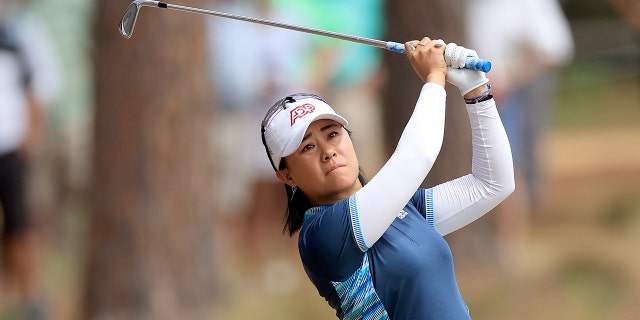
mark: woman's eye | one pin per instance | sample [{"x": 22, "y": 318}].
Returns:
[
  {"x": 307, "y": 147},
  {"x": 333, "y": 134}
]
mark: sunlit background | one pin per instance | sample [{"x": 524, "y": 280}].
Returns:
[{"x": 218, "y": 218}]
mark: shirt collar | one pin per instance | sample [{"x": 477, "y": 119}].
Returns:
[{"x": 312, "y": 211}]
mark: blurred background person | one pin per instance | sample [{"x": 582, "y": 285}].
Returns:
[
  {"x": 528, "y": 41},
  {"x": 244, "y": 81},
  {"x": 28, "y": 83}
]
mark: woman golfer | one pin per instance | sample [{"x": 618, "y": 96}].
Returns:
[{"x": 376, "y": 250}]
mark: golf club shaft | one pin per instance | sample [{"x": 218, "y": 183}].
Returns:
[
  {"x": 336, "y": 35},
  {"x": 471, "y": 63}
]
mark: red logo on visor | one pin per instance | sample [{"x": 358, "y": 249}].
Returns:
[{"x": 301, "y": 111}]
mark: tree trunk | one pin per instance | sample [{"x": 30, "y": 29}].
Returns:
[
  {"x": 150, "y": 251},
  {"x": 412, "y": 20}
]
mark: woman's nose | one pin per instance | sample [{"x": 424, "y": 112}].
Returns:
[{"x": 328, "y": 151}]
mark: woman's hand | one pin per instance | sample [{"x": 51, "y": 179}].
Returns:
[
  {"x": 464, "y": 79},
  {"x": 427, "y": 59}
]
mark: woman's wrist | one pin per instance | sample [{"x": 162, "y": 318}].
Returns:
[
  {"x": 477, "y": 95},
  {"x": 476, "y": 92},
  {"x": 436, "y": 77}
]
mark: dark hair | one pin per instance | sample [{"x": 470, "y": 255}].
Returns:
[{"x": 298, "y": 204}]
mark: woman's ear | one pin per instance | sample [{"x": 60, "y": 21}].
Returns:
[{"x": 285, "y": 177}]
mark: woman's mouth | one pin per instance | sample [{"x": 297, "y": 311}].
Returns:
[{"x": 334, "y": 167}]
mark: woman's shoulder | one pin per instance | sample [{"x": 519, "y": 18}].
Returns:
[
  {"x": 326, "y": 241},
  {"x": 340, "y": 208}
]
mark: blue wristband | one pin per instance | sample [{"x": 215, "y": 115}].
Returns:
[{"x": 480, "y": 96}]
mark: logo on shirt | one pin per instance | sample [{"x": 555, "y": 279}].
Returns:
[
  {"x": 301, "y": 111},
  {"x": 402, "y": 214}
]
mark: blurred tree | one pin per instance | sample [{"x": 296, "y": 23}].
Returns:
[
  {"x": 150, "y": 251},
  {"x": 412, "y": 20}
]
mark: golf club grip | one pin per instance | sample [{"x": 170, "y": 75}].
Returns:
[{"x": 471, "y": 63}]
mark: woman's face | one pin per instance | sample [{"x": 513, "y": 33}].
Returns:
[{"x": 325, "y": 165}]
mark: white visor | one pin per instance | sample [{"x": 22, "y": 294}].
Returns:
[{"x": 285, "y": 130}]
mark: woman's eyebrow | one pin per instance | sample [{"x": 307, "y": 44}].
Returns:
[{"x": 329, "y": 126}]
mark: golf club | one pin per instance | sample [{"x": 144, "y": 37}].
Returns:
[{"x": 130, "y": 16}]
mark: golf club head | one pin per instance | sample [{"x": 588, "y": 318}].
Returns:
[{"x": 129, "y": 18}]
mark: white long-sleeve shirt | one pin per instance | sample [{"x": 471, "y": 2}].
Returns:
[{"x": 457, "y": 202}]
